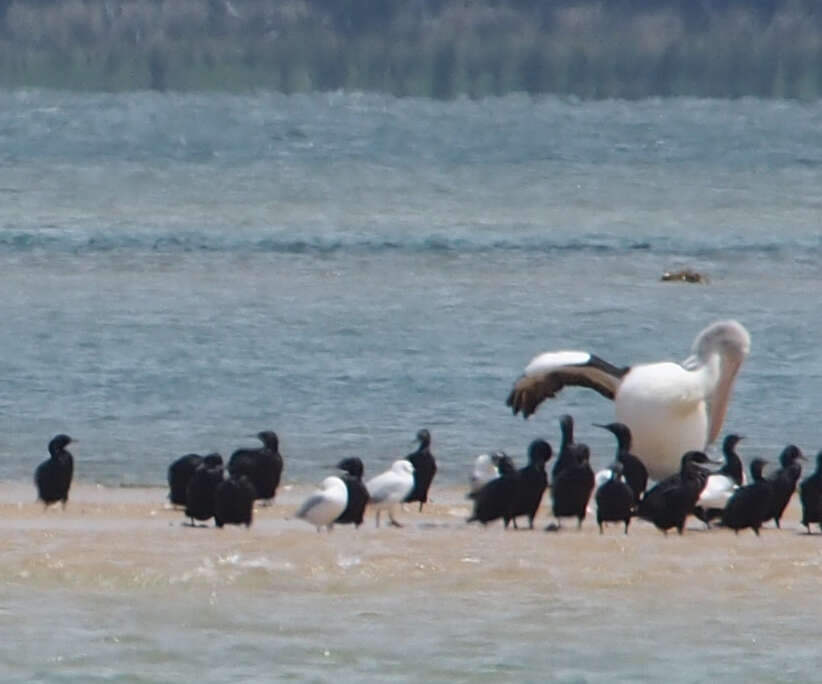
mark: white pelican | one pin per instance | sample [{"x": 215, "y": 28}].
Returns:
[
  {"x": 670, "y": 408},
  {"x": 325, "y": 505},
  {"x": 388, "y": 489}
]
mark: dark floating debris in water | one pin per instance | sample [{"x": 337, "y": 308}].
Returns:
[{"x": 685, "y": 275}]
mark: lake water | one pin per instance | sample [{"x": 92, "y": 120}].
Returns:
[{"x": 182, "y": 271}]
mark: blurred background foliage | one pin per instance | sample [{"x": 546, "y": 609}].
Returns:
[{"x": 438, "y": 48}]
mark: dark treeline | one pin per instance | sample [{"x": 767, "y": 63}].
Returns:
[{"x": 438, "y": 48}]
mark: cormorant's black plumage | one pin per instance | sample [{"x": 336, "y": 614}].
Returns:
[
  {"x": 810, "y": 495},
  {"x": 633, "y": 469},
  {"x": 357, "y": 491},
  {"x": 569, "y": 450},
  {"x": 263, "y": 466},
  {"x": 179, "y": 473},
  {"x": 668, "y": 503},
  {"x": 425, "y": 467},
  {"x": 201, "y": 490},
  {"x": 495, "y": 498},
  {"x": 53, "y": 476},
  {"x": 532, "y": 481},
  {"x": 783, "y": 481},
  {"x": 234, "y": 501},
  {"x": 572, "y": 487},
  {"x": 749, "y": 506},
  {"x": 615, "y": 499}
]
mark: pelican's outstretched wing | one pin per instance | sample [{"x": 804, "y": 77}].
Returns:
[{"x": 550, "y": 372}]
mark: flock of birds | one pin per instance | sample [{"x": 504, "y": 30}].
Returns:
[
  {"x": 620, "y": 492},
  {"x": 666, "y": 415},
  {"x": 499, "y": 490}
]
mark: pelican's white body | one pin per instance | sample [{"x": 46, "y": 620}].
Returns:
[
  {"x": 664, "y": 405},
  {"x": 325, "y": 505}
]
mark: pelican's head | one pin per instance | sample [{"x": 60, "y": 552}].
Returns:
[
  {"x": 728, "y": 343},
  {"x": 726, "y": 338}
]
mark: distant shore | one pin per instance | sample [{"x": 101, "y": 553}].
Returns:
[{"x": 443, "y": 49}]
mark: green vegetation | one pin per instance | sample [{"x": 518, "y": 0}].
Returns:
[{"x": 438, "y": 48}]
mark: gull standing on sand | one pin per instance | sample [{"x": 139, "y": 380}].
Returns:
[
  {"x": 670, "y": 408},
  {"x": 325, "y": 505},
  {"x": 388, "y": 489}
]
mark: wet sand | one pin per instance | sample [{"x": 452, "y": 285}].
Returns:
[
  {"x": 136, "y": 529},
  {"x": 115, "y": 587}
]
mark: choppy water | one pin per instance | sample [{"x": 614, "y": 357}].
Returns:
[{"x": 180, "y": 272}]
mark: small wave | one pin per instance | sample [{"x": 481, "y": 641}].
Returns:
[{"x": 90, "y": 242}]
